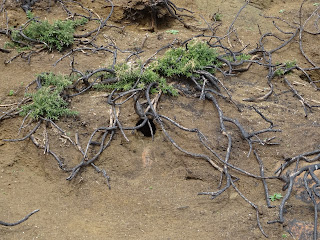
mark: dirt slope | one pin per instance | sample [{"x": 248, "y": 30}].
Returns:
[{"x": 154, "y": 187}]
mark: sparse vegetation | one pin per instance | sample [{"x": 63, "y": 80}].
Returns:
[
  {"x": 172, "y": 31},
  {"x": 217, "y": 17},
  {"x": 240, "y": 57},
  {"x": 290, "y": 64},
  {"x": 217, "y": 120},
  {"x": 11, "y": 93},
  {"x": 285, "y": 68},
  {"x": 279, "y": 72},
  {"x": 175, "y": 62},
  {"x": 276, "y": 196},
  {"x": 9, "y": 45}
]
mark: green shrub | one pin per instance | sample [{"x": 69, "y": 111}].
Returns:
[
  {"x": 51, "y": 79},
  {"x": 127, "y": 76},
  {"x": 56, "y": 36},
  {"x": 175, "y": 62},
  {"x": 183, "y": 62},
  {"x": 46, "y": 101}
]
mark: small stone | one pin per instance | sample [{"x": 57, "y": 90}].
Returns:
[{"x": 233, "y": 195}]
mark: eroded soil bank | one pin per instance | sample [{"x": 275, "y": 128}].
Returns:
[{"x": 154, "y": 187}]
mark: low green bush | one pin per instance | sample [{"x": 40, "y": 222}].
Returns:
[
  {"x": 184, "y": 61},
  {"x": 175, "y": 62},
  {"x": 46, "y": 101},
  {"x": 57, "y": 35}
]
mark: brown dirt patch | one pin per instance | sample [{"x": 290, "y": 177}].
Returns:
[{"x": 154, "y": 187}]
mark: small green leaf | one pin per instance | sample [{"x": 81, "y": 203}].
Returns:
[
  {"x": 217, "y": 16},
  {"x": 172, "y": 31},
  {"x": 276, "y": 196},
  {"x": 281, "y": 11},
  {"x": 11, "y": 93}
]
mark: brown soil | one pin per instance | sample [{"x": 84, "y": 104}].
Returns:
[{"x": 154, "y": 187}]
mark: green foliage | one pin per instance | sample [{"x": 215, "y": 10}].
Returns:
[
  {"x": 59, "y": 81},
  {"x": 29, "y": 15},
  {"x": 48, "y": 104},
  {"x": 46, "y": 101},
  {"x": 15, "y": 45},
  {"x": 285, "y": 68},
  {"x": 217, "y": 17},
  {"x": 183, "y": 62},
  {"x": 127, "y": 76},
  {"x": 172, "y": 31},
  {"x": 276, "y": 196},
  {"x": 11, "y": 93},
  {"x": 22, "y": 49},
  {"x": 175, "y": 62},
  {"x": 240, "y": 57},
  {"x": 290, "y": 64},
  {"x": 9, "y": 45},
  {"x": 56, "y": 36},
  {"x": 279, "y": 72}
]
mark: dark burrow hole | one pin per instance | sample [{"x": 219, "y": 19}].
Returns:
[{"x": 146, "y": 129}]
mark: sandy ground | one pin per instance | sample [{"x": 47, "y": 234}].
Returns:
[{"x": 154, "y": 187}]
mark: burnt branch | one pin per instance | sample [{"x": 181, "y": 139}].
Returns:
[{"x": 20, "y": 221}]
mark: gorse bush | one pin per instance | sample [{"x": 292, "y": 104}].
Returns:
[
  {"x": 57, "y": 35},
  {"x": 46, "y": 101}
]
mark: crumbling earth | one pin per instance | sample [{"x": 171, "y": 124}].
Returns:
[{"x": 154, "y": 187}]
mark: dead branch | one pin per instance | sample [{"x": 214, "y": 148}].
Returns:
[{"x": 20, "y": 221}]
